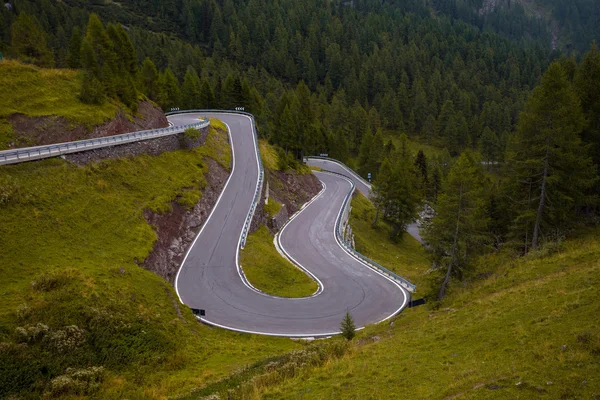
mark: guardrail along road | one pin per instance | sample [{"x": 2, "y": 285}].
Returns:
[{"x": 209, "y": 278}]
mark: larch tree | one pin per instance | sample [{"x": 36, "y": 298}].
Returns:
[
  {"x": 550, "y": 169},
  {"x": 459, "y": 226},
  {"x": 29, "y": 42},
  {"x": 587, "y": 86}
]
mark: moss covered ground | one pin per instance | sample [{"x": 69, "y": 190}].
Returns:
[{"x": 75, "y": 296}]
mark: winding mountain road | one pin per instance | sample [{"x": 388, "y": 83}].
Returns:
[
  {"x": 210, "y": 277},
  {"x": 363, "y": 186}
]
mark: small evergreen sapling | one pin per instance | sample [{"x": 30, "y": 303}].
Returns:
[{"x": 347, "y": 326}]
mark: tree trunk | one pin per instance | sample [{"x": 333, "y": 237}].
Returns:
[
  {"x": 442, "y": 292},
  {"x": 376, "y": 217},
  {"x": 540, "y": 213}
]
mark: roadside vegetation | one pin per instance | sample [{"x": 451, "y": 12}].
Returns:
[
  {"x": 39, "y": 92},
  {"x": 264, "y": 267},
  {"x": 269, "y": 272},
  {"x": 516, "y": 328},
  {"x": 79, "y": 315},
  {"x": 406, "y": 257}
]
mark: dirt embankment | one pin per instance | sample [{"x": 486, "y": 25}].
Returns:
[
  {"x": 37, "y": 131},
  {"x": 176, "y": 230}
]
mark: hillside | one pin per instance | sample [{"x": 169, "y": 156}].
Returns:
[
  {"x": 74, "y": 294},
  {"x": 566, "y": 26},
  {"x": 524, "y": 328},
  {"x": 41, "y": 106}
]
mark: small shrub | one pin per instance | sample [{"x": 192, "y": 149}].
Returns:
[
  {"x": 47, "y": 282},
  {"x": 84, "y": 381},
  {"x": 192, "y": 134},
  {"x": 65, "y": 340},
  {"x": 347, "y": 327},
  {"x": 31, "y": 333}
]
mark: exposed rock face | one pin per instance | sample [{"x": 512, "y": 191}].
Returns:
[
  {"x": 37, "y": 131},
  {"x": 176, "y": 230},
  {"x": 292, "y": 191}
]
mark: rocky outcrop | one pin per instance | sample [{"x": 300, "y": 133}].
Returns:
[
  {"x": 37, "y": 131},
  {"x": 290, "y": 189},
  {"x": 176, "y": 230}
]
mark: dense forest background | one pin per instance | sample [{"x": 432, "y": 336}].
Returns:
[{"x": 359, "y": 80}]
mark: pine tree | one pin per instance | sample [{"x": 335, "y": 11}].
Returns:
[
  {"x": 347, "y": 327},
  {"x": 459, "y": 226},
  {"x": 551, "y": 168}
]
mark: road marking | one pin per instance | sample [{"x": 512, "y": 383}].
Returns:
[{"x": 209, "y": 216}]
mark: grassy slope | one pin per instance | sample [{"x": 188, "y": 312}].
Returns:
[
  {"x": 264, "y": 267},
  {"x": 268, "y": 271},
  {"x": 530, "y": 330},
  {"x": 80, "y": 232},
  {"x": 405, "y": 258},
  {"x": 37, "y": 92}
]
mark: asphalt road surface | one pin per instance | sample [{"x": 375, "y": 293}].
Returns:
[
  {"x": 361, "y": 184},
  {"x": 209, "y": 277}
]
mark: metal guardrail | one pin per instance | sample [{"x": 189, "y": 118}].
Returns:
[
  {"x": 54, "y": 150},
  {"x": 259, "y": 186},
  {"x": 340, "y": 235},
  {"x": 354, "y": 173}
]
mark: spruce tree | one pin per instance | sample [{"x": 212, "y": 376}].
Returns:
[
  {"x": 347, "y": 327},
  {"x": 550, "y": 167}
]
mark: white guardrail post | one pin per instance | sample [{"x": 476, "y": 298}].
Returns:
[{"x": 54, "y": 150}]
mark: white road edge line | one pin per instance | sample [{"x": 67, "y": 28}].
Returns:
[
  {"x": 404, "y": 291},
  {"x": 238, "y": 251},
  {"x": 209, "y": 216},
  {"x": 300, "y": 335},
  {"x": 281, "y": 249}
]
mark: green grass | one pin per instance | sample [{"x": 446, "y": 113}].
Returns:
[
  {"x": 406, "y": 258},
  {"x": 268, "y": 155},
  {"x": 273, "y": 207},
  {"x": 529, "y": 330},
  {"x": 71, "y": 239},
  {"x": 38, "y": 92},
  {"x": 269, "y": 272}
]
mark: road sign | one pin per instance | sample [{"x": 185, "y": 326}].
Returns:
[
  {"x": 369, "y": 175},
  {"x": 324, "y": 155}
]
